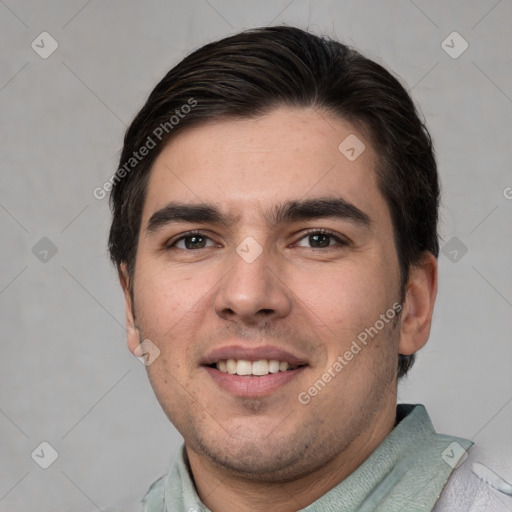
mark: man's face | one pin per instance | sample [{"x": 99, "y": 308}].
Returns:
[{"x": 254, "y": 289}]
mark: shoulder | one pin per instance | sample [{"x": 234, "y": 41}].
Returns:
[
  {"x": 475, "y": 486},
  {"x": 153, "y": 500}
]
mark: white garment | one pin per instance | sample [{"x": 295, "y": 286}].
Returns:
[{"x": 466, "y": 492}]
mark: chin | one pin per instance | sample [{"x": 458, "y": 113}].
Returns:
[
  {"x": 263, "y": 455},
  {"x": 256, "y": 462}
]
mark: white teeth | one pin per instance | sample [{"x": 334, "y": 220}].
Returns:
[
  {"x": 273, "y": 366},
  {"x": 243, "y": 367},
  {"x": 230, "y": 366},
  {"x": 260, "y": 367}
]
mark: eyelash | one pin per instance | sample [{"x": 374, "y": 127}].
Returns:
[{"x": 340, "y": 241}]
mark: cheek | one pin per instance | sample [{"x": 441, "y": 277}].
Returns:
[
  {"x": 343, "y": 298},
  {"x": 162, "y": 299}
]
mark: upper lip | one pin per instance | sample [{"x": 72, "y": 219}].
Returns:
[{"x": 252, "y": 354}]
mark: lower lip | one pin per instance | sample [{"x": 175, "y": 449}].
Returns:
[{"x": 248, "y": 386}]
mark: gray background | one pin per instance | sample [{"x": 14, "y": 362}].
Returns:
[{"x": 67, "y": 377}]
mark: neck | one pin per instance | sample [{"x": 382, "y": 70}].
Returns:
[{"x": 220, "y": 490}]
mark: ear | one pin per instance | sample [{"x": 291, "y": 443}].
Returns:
[
  {"x": 418, "y": 305},
  {"x": 133, "y": 334}
]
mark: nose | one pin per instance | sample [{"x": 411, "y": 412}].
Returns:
[{"x": 252, "y": 292}]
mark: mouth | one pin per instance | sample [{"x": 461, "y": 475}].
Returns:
[
  {"x": 251, "y": 372},
  {"x": 258, "y": 368}
]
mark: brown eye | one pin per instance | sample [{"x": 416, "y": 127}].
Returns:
[
  {"x": 322, "y": 239},
  {"x": 191, "y": 241}
]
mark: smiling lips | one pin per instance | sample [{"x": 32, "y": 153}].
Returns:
[
  {"x": 260, "y": 361},
  {"x": 254, "y": 371},
  {"x": 258, "y": 368}
]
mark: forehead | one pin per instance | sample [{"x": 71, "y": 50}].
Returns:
[{"x": 248, "y": 166}]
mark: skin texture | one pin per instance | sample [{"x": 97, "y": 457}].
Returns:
[{"x": 312, "y": 300}]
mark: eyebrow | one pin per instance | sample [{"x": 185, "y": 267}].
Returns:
[{"x": 287, "y": 212}]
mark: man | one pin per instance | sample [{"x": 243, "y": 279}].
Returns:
[{"x": 275, "y": 231}]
